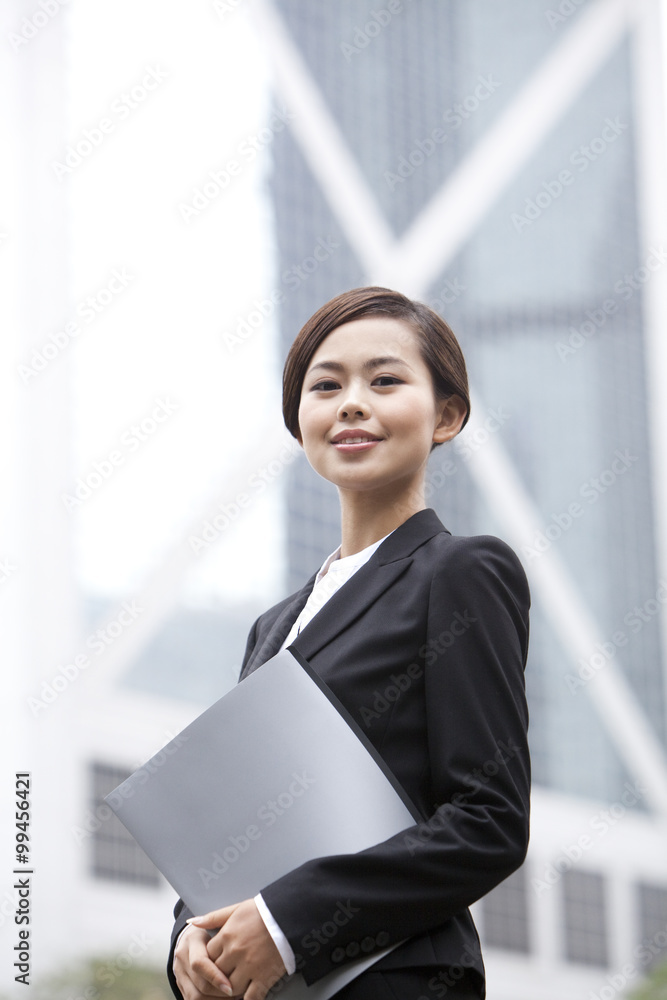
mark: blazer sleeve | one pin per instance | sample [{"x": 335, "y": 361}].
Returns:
[{"x": 477, "y": 834}]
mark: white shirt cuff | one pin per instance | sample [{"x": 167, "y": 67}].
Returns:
[
  {"x": 181, "y": 934},
  {"x": 279, "y": 939}
]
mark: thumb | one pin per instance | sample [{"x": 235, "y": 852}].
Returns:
[{"x": 216, "y": 918}]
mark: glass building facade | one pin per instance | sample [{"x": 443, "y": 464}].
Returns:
[
  {"x": 544, "y": 288},
  {"x": 544, "y": 295}
]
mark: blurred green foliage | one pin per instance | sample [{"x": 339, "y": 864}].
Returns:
[
  {"x": 654, "y": 987},
  {"x": 104, "y": 979}
]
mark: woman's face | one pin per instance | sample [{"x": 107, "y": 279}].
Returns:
[{"x": 368, "y": 413}]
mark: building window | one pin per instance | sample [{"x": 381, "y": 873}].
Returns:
[
  {"x": 115, "y": 853},
  {"x": 584, "y": 918},
  {"x": 505, "y": 914},
  {"x": 652, "y": 905}
]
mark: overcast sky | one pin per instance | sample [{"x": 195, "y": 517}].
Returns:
[{"x": 186, "y": 91}]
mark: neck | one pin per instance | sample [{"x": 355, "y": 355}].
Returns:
[{"x": 367, "y": 517}]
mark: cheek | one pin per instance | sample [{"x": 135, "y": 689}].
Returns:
[
  {"x": 302, "y": 414},
  {"x": 309, "y": 420},
  {"x": 415, "y": 418}
]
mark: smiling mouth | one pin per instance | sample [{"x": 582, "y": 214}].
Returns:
[
  {"x": 355, "y": 443},
  {"x": 356, "y": 440}
]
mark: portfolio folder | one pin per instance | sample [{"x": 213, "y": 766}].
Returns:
[{"x": 274, "y": 774}]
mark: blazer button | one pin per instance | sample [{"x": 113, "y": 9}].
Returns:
[
  {"x": 382, "y": 939},
  {"x": 352, "y": 949},
  {"x": 337, "y": 955},
  {"x": 368, "y": 944}
]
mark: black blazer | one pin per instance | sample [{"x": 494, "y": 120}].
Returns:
[{"x": 425, "y": 646}]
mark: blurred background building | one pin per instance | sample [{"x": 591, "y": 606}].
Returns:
[
  {"x": 503, "y": 163},
  {"x": 500, "y": 175}
]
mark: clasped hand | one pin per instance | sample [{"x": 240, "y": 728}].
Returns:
[{"x": 241, "y": 960}]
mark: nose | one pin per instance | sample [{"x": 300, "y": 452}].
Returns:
[{"x": 353, "y": 406}]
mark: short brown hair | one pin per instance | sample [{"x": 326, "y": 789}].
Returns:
[{"x": 439, "y": 348}]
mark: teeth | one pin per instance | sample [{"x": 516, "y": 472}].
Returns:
[{"x": 356, "y": 440}]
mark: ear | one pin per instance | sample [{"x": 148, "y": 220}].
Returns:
[{"x": 452, "y": 412}]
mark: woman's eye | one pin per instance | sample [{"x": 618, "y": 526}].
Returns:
[
  {"x": 387, "y": 380},
  {"x": 326, "y": 386}
]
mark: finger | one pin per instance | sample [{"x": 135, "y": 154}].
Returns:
[
  {"x": 216, "y": 918},
  {"x": 191, "y": 961},
  {"x": 215, "y": 949},
  {"x": 259, "y": 985},
  {"x": 193, "y": 987},
  {"x": 208, "y": 973},
  {"x": 204, "y": 987},
  {"x": 256, "y": 991},
  {"x": 258, "y": 988}
]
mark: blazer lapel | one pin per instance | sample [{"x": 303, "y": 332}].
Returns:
[
  {"x": 348, "y": 603},
  {"x": 278, "y": 632},
  {"x": 385, "y": 566}
]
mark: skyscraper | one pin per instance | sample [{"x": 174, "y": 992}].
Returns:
[{"x": 489, "y": 159}]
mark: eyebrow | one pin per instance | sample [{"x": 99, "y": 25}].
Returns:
[{"x": 336, "y": 366}]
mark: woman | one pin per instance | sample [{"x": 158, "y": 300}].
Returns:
[{"x": 423, "y": 637}]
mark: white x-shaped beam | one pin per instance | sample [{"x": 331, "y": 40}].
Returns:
[{"x": 415, "y": 260}]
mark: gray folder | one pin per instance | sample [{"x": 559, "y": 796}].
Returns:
[{"x": 274, "y": 774}]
